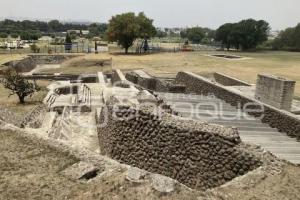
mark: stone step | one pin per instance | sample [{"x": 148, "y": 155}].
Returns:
[
  {"x": 205, "y": 107},
  {"x": 242, "y": 123},
  {"x": 210, "y": 116},
  {"x": 286, "y": 150},
  {"x": 279, "y": 144},
  {"x": 195, "y": 101},
  {"x": 256, "y": 129},
  {"x": 265, "y": 138}
]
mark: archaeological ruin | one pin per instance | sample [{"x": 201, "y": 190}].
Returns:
[{"x": 200, "y": 131}]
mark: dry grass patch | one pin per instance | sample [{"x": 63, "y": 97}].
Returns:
[
  {"x": 9, "y": 57},
  {"x": 12, "y": 102}
]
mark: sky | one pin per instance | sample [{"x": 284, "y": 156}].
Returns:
[{"x": 166, "y": 13}]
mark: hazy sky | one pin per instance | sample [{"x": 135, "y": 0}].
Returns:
[{"x": 166, "y": 13}]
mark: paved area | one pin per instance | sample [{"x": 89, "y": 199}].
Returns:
[{"x": 252, "y": 130}]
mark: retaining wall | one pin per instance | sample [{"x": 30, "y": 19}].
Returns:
[
  {"x": 35, "y": 117},
  {"x": 24, "y": 65},
  {"x": 117, "y": 76},
  {"x": 51, "y": 58},
  {"x": 282, "y": 120},
  {"x": 228, "y": 80},
  {"x": 139, "y": 77},
  {"x": 196, "y": 154}
]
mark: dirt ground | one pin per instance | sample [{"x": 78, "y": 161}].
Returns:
[{"x": 31, "y": 169}]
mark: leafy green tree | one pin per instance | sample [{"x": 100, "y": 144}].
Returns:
[
  {"x": 14, "y": 35},
  {"x": 252, "y": 33},
  {"x": 3, "y": 35},
  {"x": 96, "y": 30},
  {"x": 68, "y": 39},
  {"x": 195, "y": 34},
  {"x": 127, "y": 27},
  {"x": 288, "y": 39},
  {"x": 223, "y": 34},
  {"x": 246, "y": 34},
  {"x": 18, "y": 85},
  {"x": 161, "y": 34},
  {"x": 34, "y": 48},
  {"x": 183, "y": 34},
  {"x": 55, "y": 25}
]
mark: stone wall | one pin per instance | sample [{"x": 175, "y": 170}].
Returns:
[
  {"x": 35, "y": 117},
  {"x": 117, "y": 76},
  {"x": 51, "y": 58},
  {"x": 228, "y": 80},
  {"x": 199, "y": 155},
  {"x": 24, "y": 65},
  {"x": 282, "y": 120},
  {"x": 275, "y": 91},
  {"x": 144, "y": 80}
]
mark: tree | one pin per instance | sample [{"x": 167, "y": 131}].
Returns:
[
  {"x": 14, "y": 35},
  {"x": 127, "y": 27},
  {"x": 195, "y": 34},
  {"x": 55, "y": 26},
  {"x": 246, "y": 34},
  {"x": 68, "y": 42},
  {"x": 34, "y": 48},
  {"x": 68, "y": 39},
  {"x": 96, "y": 30},
  {"x": 252, "y": 33},
  {"x": 288, "y": 39},
  {"x": 223, "y": 34},
  {"x": 3, "y": 35},
  {"x": 161, "y": 34},
  {"x": 183, "y": 34},
  {"x": 17, "y": 84}
]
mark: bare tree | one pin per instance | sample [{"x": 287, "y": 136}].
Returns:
[{"x": 17, "y": 84}]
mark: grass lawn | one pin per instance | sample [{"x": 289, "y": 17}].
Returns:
[{"x": 12, "y": 102}]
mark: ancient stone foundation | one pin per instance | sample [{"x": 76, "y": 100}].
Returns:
[
  {"x": 228, "y": 80},
  {"x": 24, "y": 65},
  {"x": 146, "y": 81},
  {"x": 275, "y": 91},
  {"x": 51, "y": 58},
  {"x": 199, "y": 155}
]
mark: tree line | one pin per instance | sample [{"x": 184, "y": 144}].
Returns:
[
  {"x": 32, "y": 30},
  {"x": 125, "y": 28},
  {"x": 288, "y": 39}
]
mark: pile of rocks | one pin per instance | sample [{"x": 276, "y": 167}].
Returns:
[{"x": 197, "y": 154}]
